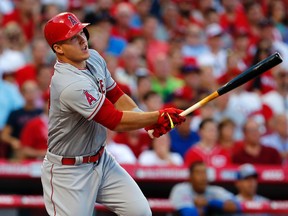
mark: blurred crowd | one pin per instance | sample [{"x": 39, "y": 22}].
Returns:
[{"x": 162, "y": 53}]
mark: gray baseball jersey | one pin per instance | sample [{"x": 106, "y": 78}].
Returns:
[
  {"x": 76, "y": 96},
  {"x": 182, "y": 195},
  {"x": 71, "y": 190}
]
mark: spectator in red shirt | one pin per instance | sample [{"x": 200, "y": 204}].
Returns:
[
  {"x": 137, "y": 140},
  {"x": 123, "y": 14},
  {"x": 207, "y": 149},
  {"x": 226, "y": 139},
  {"x": 251, "y": 150},
  {"x": 34, "y": 135},
  {"x": 27, "y": 15},
  {"x": 233, "y": 16}
]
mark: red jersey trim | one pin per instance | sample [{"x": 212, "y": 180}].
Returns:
[
  {"x": 52, "y": 189},
  {"x": 108, "y": 116},
  {"x": 114, "y": 94}
]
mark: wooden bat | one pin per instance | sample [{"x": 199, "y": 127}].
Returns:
[{"x": 247, "y": 75}]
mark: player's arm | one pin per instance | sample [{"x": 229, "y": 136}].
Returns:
[
  {"x": 121, "y": 100},
  {"x": 118, "y": 120}
]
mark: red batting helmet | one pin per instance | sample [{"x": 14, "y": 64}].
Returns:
[{"x": 63, "y": 26}]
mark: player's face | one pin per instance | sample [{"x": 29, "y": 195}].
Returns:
[
  {"x": 198, "y": 178},
  {"x": 247, "y": 186},
  {"x": 74, "y": 50}
]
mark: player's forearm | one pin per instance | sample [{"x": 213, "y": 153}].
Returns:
[
  {"x": 136, "y": 120},
  {"x": 125, "y": 103}
]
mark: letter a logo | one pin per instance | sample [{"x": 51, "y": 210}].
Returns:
[
  {"x": 89, "y": 97},
  {"x": 72, "y": 20}
]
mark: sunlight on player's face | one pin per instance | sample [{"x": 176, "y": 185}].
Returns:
[{"x": 74, "y": 50}]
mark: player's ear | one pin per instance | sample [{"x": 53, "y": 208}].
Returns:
[{"x": 58, "y": 48}]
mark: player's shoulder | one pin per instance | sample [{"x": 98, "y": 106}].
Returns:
[
  {"x": 95, "y": 55},
  {"x": 183, "y": 186}
]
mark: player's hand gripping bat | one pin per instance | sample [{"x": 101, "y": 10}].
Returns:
[{"x": 247, "y": 75}]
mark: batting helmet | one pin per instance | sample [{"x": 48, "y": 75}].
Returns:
[{"x": 63, "y": 26}]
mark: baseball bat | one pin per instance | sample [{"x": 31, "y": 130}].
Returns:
[{"x": 247, "y": 75}]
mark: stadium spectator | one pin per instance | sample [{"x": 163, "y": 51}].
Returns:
[
  {"x": 194, "y": 42},
  {"x": 34, "y": 135},
  {"x": 151, "y": 34},
  {"x": 246, "y": 184},
  {"x": 208, "y": 82},
  {"x": 126, "y": 72},
  {"x": 190, "y": 73},
  {"x": 38, "y": 56},
  {"x": 278, "y": 139},
  {"x": 121, "y": 152},
  {"x": 197, "y": 197},
  {"x": 277, "y": 99},
  {"x": 207, "y": 111},
  {"x": 152, "y": 101},
  {"x": 160, "y": 154},
  {"x": 101, "y": 38},
  {"x": 27, "y": 14},
  {"x": 207, "y": 149},
  {"x": 215, "y": 41},
  {"x": 265, "y": 82},
  {"x": 244, "y": 103},
  {"x": 172, "y": 23},
  {"x": 142, "y": 9},
  {"x": 162, "y": 81},
  {"x": 7, "y": 56},
  {"x": 182, "y": 137},
  {"x": 137, "y": 140},
  {"x": 123, "y": 13},
  {"x": 277, "y": 13},
  {"x": 251, "y": 150},
  {"x": 18, "y": 118},
  {"x": 269, "y": 33},
  {"x": 233, "y": 16},
  {"x": 143, "y": 88},
  {"x": 255, "y": 15},
  {"x": 226, "y": 131}
]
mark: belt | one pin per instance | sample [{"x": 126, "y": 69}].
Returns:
[{"x": 85, "y": 159}]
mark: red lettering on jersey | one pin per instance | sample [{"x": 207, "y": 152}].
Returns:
[
  {"x": 102, "y": 88},
  {"x": 89, "y": 97}
]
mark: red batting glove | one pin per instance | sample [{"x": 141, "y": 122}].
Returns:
[
  {"x": 167, "y": 120},
  {"x": 169, "y": 117}
]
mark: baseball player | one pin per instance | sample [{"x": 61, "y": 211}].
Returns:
[
  {"x": 196, "y": 197},
  {"x": 84, "y": 101}
]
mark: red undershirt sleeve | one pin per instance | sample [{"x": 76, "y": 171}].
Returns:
[
  {"x": 108, "y": 116},
  {"x": 114, "y": 94}
]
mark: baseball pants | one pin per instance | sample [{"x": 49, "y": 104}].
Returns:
[{"x": 71, "y": 190}]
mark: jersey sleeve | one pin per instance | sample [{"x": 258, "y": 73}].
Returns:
[
  {"x": 181, "y": 196},
  {"x": 82, "y": 97},
  {"x": 220, "y": 193}
]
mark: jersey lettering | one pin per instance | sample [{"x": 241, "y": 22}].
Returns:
[
  {"x": 101, "y": 87},
  {"x": 72, "y": 20},
  {"x": 89, "y": 97}
]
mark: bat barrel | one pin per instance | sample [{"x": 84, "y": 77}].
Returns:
[{"x": 251, "y": 73}]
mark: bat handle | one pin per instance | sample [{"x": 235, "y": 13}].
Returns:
[{"x": 199, "y": 104}]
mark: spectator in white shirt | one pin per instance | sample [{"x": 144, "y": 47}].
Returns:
[
  {"x": 278, "y": 139},
  {"x": 160, "y": 154}
]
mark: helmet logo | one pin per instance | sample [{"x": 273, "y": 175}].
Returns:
[{"x": 72, "y": 20}]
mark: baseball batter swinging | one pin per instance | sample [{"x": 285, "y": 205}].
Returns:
[{"x": 84, "y": 101}]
